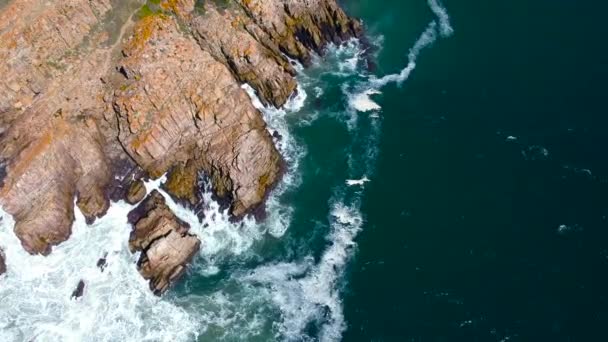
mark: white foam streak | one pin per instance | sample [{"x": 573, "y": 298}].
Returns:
[
  {"x": 305, "y": 292},
  {"x": 445, "y": 28},
  {"x": 362, "y": 102},
  {"x": 428, "y": 37}
]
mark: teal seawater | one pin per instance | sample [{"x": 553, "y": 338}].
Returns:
[{"x": 486, "y": 218}]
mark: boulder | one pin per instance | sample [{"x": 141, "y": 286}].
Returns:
[
  {"x": 79, "y": 290},
  {"x": 136, "y": 192},
  {"x": 164, "y": 242}
]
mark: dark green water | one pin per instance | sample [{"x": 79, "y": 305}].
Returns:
[{"x": 461, "y": 240}]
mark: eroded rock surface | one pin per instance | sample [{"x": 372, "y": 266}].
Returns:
[
  {"x": 97, "y": 95},
  {"x": 164, "y": 242}
]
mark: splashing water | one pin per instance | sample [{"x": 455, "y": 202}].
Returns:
[{"x": 117, "y": 303}]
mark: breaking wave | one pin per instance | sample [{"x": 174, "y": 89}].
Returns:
[
  {"x": 117, "y": 304},
  {"x": 306, "y": 292}
]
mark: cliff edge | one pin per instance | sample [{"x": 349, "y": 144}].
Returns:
[{"x": 98, "y": 95}]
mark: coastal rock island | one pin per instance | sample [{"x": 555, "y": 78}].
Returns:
[{"x": 98, "y": 96}]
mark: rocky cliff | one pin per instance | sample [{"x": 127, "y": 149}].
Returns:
[{"x": 97, "y": 95}]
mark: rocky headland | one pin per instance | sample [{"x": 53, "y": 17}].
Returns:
[{"x": 97, "y": 96}]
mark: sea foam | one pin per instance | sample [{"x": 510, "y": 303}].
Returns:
[
  {"x": 360, "y": 182},
  {"x": 445, "y": 27},
  {"x": 306, "y": 291},
  {"x": 362, "y": 102},
  {"x": 117, "y": 303}
]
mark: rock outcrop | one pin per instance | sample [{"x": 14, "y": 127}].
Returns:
[
  {"x": 97, "y": 95},
  {"x": 136, "y": 192},
  {"x": 164, "y": 242},
  {"x": 79, "y": 290}
]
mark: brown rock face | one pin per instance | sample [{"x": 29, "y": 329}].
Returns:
[
  {"x": 164, "y": 241},
  {"x": 53, "y": 147},
  {"x": 94, "y": 97}
]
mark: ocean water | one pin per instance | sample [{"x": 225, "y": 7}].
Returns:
[{"x": 454, "y": 192}]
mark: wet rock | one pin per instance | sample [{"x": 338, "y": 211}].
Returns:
[
  {"x": 125, "y": 172},
  {"x": 182, "y": 184},
  {"x": 136, "y": 193},
  {"x": 79, "y": 290},
  {"x": 164, "y": 242},
  {"x": 102, "y": 262},
  {"x": 2, "y": 263}
]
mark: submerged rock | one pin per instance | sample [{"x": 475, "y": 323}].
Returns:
[{"x": 164, "y": 242}]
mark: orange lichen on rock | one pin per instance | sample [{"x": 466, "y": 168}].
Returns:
[{"x": 143, "y": 31}]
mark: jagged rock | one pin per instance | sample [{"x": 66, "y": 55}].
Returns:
[
  {"x": 79, "y": 290},
  {"x": 102, "y": 262},
  {"x": 91, "y": 100},
  {"x": 163, "y": 239},
  {"x": 137, "y": 192},
  {"x": 2, "y": 263},
  {"x": 185, "y": 107},
  {"x": 301, "y": 26}
]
